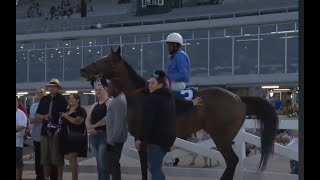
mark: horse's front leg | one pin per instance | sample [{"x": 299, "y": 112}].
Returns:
[{"x": 143, "y": 161}]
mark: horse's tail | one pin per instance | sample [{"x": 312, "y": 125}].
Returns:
[{"x": 269, "y": 122}]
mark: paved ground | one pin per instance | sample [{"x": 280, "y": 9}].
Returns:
[{"x": 131, "y": 167}]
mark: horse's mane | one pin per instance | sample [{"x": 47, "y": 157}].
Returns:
[{"x": 138, "y": 81}]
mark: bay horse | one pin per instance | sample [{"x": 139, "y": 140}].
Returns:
[{"x": 221, "y": 115}]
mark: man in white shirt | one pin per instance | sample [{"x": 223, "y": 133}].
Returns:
[
  {"x": 21, "y": 124},
  {"x": 35, "y": 134}
]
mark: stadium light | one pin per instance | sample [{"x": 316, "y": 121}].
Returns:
[
  {"x": 22, "y": 93},
  {"x": 270, "y": 87}
]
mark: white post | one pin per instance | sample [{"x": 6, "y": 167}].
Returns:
[{"x": 240, "y": 150}]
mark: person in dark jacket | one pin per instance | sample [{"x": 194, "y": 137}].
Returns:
[{"x": 158, "y": 125}]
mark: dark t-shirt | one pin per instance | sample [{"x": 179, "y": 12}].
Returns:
[
  {"x": 79, "y": 112},
  {"x": 98, "y": 112},
  {"x": 59, "y": 104}
]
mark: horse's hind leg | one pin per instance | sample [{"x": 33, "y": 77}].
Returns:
[
  {"x": 231, "y": 160},
  {"x": 143, "y": 161}
]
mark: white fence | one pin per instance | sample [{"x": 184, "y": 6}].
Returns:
[{"x": 204, "y": 148}]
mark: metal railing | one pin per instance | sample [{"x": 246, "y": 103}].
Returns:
[{"x": 49, "y": 29}]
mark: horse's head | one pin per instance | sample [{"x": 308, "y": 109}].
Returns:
[{"x": 107, "y": 67}]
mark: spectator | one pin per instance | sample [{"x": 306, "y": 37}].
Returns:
[
  {"x": 22, "y": 108},
  {"x": 278, "y": 103},
  {"x": 27, "y": 130},
  {"x": 35, "y": 135},
  {"x": 117, "y": 131},
  {"x": 74, "y": 141},
  {"x": 289, "y": 109},
  {"x": 98, "y": 135},
  {"x": 158, "y": 126},
  {"x": 21, "y": 124},
  {"x": 48, "y": 111}
]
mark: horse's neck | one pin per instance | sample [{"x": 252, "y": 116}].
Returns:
[
  {"x": 131, "y": 86},
  {"x": 134, "y": 81}
]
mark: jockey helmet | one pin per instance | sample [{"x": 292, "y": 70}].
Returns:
[{"x": 174, "y": 38}]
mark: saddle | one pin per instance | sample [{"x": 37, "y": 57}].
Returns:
[{"x": 186, "y": 94}]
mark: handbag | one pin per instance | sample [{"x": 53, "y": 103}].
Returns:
[{"x": 76, "y": 137}]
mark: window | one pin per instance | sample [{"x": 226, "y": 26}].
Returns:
[
  {"x": 76, "y": 43},
  {"x": 246, "y": 55},
  {"x": 52, "y": 44},
  {"x": 292, "y": 53},
  {"x": 272, "y": 53},
  {"x": 132, "y": 54},
  {"x": 235, "y": 31},
  {"x": 143, "y": 3},
  {"x": 217, "y": 33},
  {"x": 64, "y": 43},
  {"x": 54, "y": 64},
  {"x": 201, "y": 34},
  {"x": 101, "y": 41},
  {"x": 128, "y": 39},
  {"x": 142, "y": 38},
  {"x": 91, "y": 54},
  {"x": 220, "y": 56},
  {"x": 26, "y": 46},
  {"x": 198, "y": 54},
  {"x": 37, "y": 66},
  {"x": 89, "y": 42},
  {"x": 156, "y": 37},
  {"x": 106, "y": 50},
  {"x": 152, "y": 58},
  {"x": 21, "y": 66},
  {"x": 286, "y": 27},
  {"x": 151, "y": 2},
  {"x": 160, "y": 2},
  {"x": 268, "y": 29},
  {"x": 114, "y": 40},
  {"x": 39, "y": 45},
  {"x": 251, "y": 30},
  {"x": 72, "y": 63}
]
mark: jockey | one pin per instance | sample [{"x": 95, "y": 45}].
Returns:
[{"x": 179, "y": 67}]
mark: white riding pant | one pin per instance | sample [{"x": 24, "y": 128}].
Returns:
[{"x": 178, "y": 86}]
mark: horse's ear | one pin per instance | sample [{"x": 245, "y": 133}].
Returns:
[
  {"x": 112, "y": 50},
  {"x": 119, "y": 50}
]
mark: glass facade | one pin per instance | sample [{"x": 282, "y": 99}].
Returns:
[{"x": 261, "y": 49}]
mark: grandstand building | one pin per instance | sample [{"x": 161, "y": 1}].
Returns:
[{"x": 238, "y": 44}]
